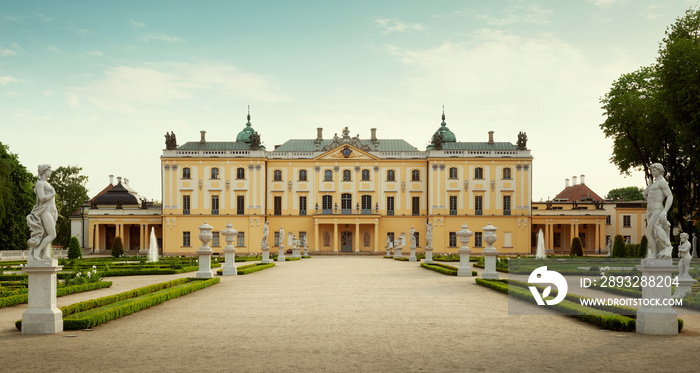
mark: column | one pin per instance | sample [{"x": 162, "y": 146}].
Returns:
[
  {"x": 571, "y": 238},
  {"x": 316, "y": 234},
  {"x": 335, "y": 238},
  {"x": 376, "y": 237},
  {"x": 547, "y": 241},
  {"x": 96, "y": 239},
  {"x": 357, "y": 237},
  {"x": 142, "y": 241},
  {"x": 597, "y": 237}
]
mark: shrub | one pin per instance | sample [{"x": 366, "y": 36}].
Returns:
[
  {"x": 618, "y": 249},
  {"x": 643, "y": 245},
  {"x": 117, "y": 247},
  {"x": 576, "y": 247},
  {"x": 74, "y": 251}
]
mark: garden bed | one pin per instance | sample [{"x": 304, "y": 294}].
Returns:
[
  {"x": 249, "y": 268},
  {"x": 14, "y": 300},
  {"x": 91, "y": 313},
  {"x": 443, "y": 268}
]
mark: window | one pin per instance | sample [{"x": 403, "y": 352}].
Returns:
[
  {"x": 390, "y": 205},
  {"x": 390, "y": 175},
  {"x": 276, "y": 241},
  {"x": 277, "y": 175},
  {"x": 302, "y": 175},
  {"x": 327, "y": 204},
  {"x": 506, "y": 205},
  {"x": 186, "y": 239},
  {"x": 240, "y": 173},
  {"x": 215, "y": 239},
  {"x": 453, "y": 173},
  {"x": 328, "y": 175},
  {"x": 185, "y": 205},
  {"x": 365, "y": 175},
  {"x": 607, "y": 220},
  {"x": 479, "y": 173},
  {"x": 415, "y": 205},
  {"x": 453, "y": 205},
  {"x": 366, "y": 205},
  {"x": 240, "y": 205},
  {"x": 302, "y": 205},
  {"x": 626, "y": 221},
  {"x": 214, "y": 173},
  {"x": 240, "y": 239},
  {"x": 415, "y": 175},
  {"x": 557, "y": 239},
  {"x": 478, "y": 205},
  {"x": 186, "y": 173},
  {"x": 347, "y": 175},
  {"x": 277, "y": 206},
  {"x": 215, "y": 205},
  {"x": 346, "y": 203},
  {"x": 452, "y": 239},
  {"x": 477, "y": 239},
  {"x": 390, "y": 237},
  {"x": 506, "y": 173},
  {"x": 416, "y": 235}
]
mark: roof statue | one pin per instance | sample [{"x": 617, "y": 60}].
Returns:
[
  {"x": 522, "y": 140},
  {"x": 170, "y": 141},
  {"x": 255, "y": 141},
  {"x": 346, "y": 139}
]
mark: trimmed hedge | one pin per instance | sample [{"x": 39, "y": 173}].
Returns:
[
  {"x": 403, "y": 259},
  {"x": 443, "y": 268},
  {"x": 65, "y": 290},
  {"x": 249, "y": 268},
  {"x": 143, "y": 298},
  {"x": 290, "y": 259}
]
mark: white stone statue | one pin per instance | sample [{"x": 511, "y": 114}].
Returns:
[
  {"x": 412, "y": 236},
  {"x": 42, "y": 219},
  {"x": 695, "y": 246},
  {"x": 684, "y": 255},
  {"x": 266, "y": 233},
  {"x": 429, "y": 236},
  {"x": 658, "y": 227}
]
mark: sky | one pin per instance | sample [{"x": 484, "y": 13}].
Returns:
[{"x": 97, "y": 84}]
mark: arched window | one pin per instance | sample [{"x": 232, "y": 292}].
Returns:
[
  {"x": 214, "y": 173},
  {"x": 390, "y": 175},
  {"x": 453, "y": 173},
  {"x": 240, "y": 173},
  {"x": 478, "y": 173},
  {"x": 328, "y": 175},
  {"x": 302, "y": 175},
  {"x": 277, "y": 175},
  {"x": 365, "y": 175},
  {"x": 415, "y": 175},
  {"x": 186, "y": 173},
  {"x": 347, "y": 175},
  {"x": 506, "y": 173}
]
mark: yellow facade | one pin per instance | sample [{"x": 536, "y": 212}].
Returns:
[{"x": 345, "y": 194}]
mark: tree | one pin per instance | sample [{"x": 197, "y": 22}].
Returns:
[
  {"x": 576, "y": 247},
  {"x": 70, "y": 195},
  {"x": 16, "y": 201},
  {"x": 117, "y": 247},
  {"x": 631, "y": 193},
  {"x": 74, "y": 251},
  {"x": 643, "y": 245},
  {"x": 618, "y": 249}
]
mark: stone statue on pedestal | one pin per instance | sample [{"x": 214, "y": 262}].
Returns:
[
  {"x": 658, "y": 227},
  {"x": 266, "y": 233},
  {"x": 429, "y": 236},
  {"x": 412, "y": 236},
  {"x": 42, "y": 219},
  {"x": 684, "y": 255}
]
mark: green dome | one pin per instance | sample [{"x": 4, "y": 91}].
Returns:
[
  {"x": 442, "y": 135},
  {"x": 244, "y": 135}
]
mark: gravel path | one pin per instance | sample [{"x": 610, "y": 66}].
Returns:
[{"x": 340, "y": 314}]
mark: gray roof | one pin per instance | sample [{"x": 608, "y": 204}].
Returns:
[
  {"x": 478, "y": 146},
  {"x": 309, "y": 145},
  {"x": 220, "y": 145}
]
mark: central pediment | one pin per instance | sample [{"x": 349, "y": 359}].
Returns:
[{"x": 346, "y": 151}]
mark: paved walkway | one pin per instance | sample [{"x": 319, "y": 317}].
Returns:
[{"x": 340, "y": 314}]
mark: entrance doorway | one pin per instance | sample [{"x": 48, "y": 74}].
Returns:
[{"x": 346, "y": 241}]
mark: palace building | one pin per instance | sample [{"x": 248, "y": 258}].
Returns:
[{"x": 346, "y": 194}]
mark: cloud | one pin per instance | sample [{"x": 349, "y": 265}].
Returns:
[
  {"x": 5, "y": 80},
  {"x": 51, "y": 48},
  {"x": 161, "y": 37},
  {"x": 137, "y": 24},
  {"x": 131, "y": 88},
  {"x": 95, "y": 53},
  {"x": 43, "y": 17},
  {"x": 605, "y": 3},
  {"x": 526, "y": 13},
  {"x": 394, "y": 25},
  {"x": 12, "y": 51}
]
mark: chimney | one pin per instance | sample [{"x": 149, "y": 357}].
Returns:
[
  {"x": 202, "y": 140},
  {"x": 374, "y": 134},
  {"x": 566, "y": 185},
  {"x": 490, "y": 137},
  {"x": 583, "y": 179},
  {"x": 111, "y": 179},
  {"x": 319, "y": 133},
  {"x": 119, "y": 179},
  {"x": 573, "y": 181}
]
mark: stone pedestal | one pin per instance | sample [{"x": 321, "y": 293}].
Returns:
[
  {"x": 42, "y": 316},
  {"x": 306, "y": 249},
  {"x": 465, "y": 268},
  {"x": 265, "y": 254},
  {"x": 412, "y": 255},
  {"x": 280, "y": 256},
  {"x": 229, "y": 251},
  {"x": 685, "y": 283},
  {"x": 490, "y": 253},
  {"x": 205, "y": 252},
  {"x": 428, "y": 255},
  {"x": 388, "y": 250},
  {"x": 397, "y": 250},
  {"x": 652, "y": 318}
]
